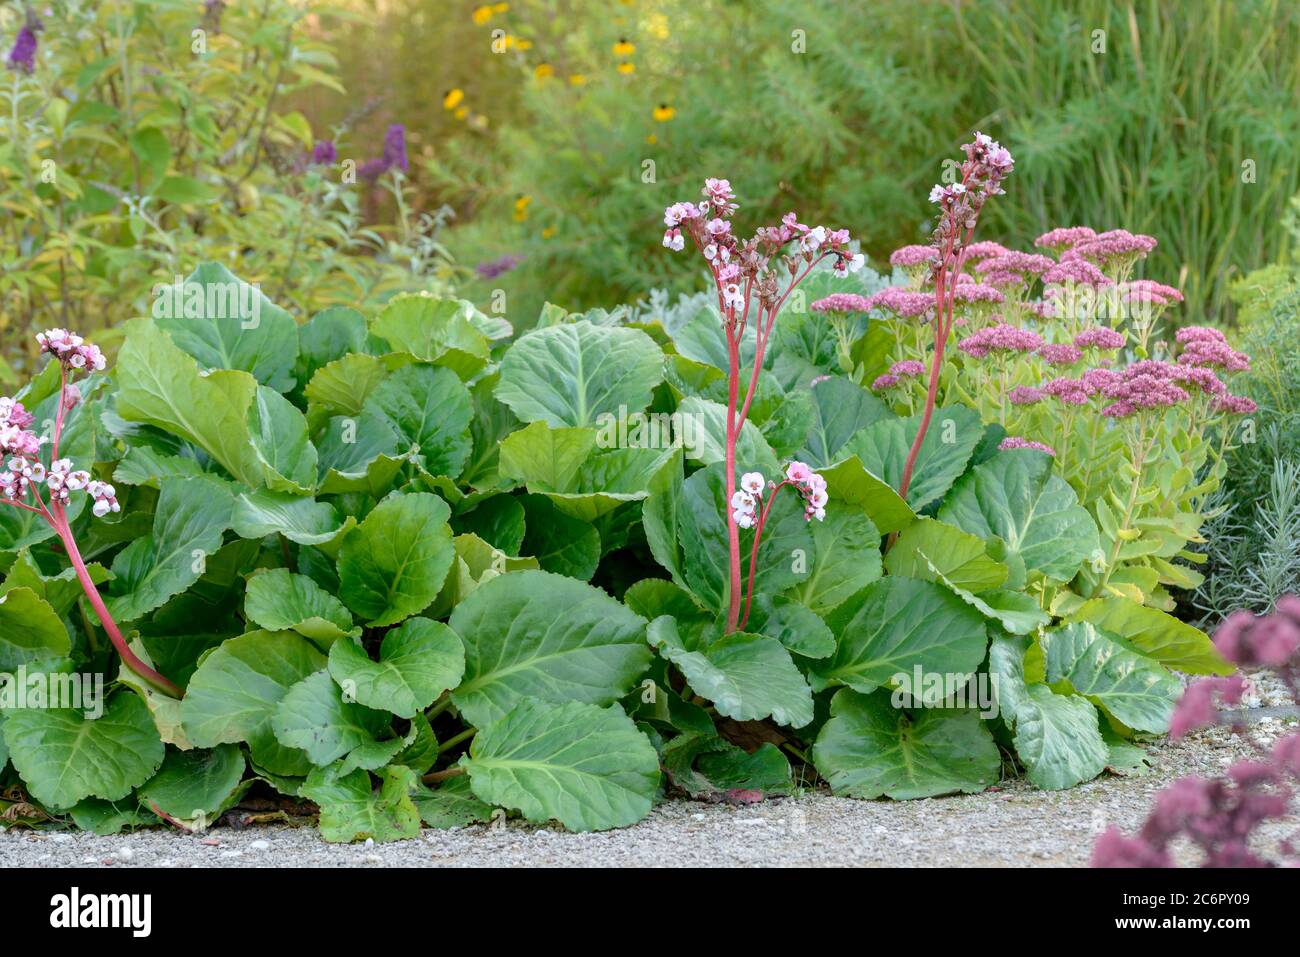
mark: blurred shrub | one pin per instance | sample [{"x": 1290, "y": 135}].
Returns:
[
  {"x": 843, "y": 111},
  {"x": 1254, "y": 540},
  {"x": 139, "y": 139}
]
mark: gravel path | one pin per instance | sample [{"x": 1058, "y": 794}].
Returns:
[{"x": 1013, "y": 826}]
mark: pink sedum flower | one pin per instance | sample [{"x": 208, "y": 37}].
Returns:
[
  {"x": 1060, "y": 353},
  {"x": 1002, "y": 338},
  {"x": 842, "y": 302},
  {"x": 1100, "y": 337},
  {"x": 1012, "y": 442}
]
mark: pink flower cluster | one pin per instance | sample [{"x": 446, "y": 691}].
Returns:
[
  {"x": 1150, "y": 291},
  {"x": 842, "y": 302},
  {"x": 70, "y": 349},
  {"x": 907, "y": 256},
  {"x": 1116, "y": 245},
  {"x": 987, "y": 163},
  {"x": 811, "y": 487},
  {"x": 1000, "y": 338},
  {"x": 1077, "y": 272},
  {"x": 905, "y": 369},
  {"x": 746, "y": 504},
  {"x": 1060, "y": 353},
  {"x": 982, "y": 250},
  {"x": 1099, "y": 337},
  {"x": 1204, "y": 346},
  {"x": 1017, "y": 262},
  {"x": 738, "y": 264},
  {"x": 971, "y": 292},
  {"x": 1137, "y": 393},
  {"x": 902, "y": 302},
  {"x": 1064, "y": 237},
  {"x": 1014, "y": 442},
  {"x": 16, "y": 437},
  {"x": 1025, "y": 395}
]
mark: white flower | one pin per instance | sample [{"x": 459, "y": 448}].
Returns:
[
  {"x": 937, "y": 194},
  {"x": 753, "y": 482},
  {"x": 101, "y": 508},
  {"x": 819, "y": 498},
  {"x": 742, "y": 500},
  {"x": 674, "y": 241},
  {"x": 958, "y": 189},
  {"x": 743, "y": 519},
  {"x": 857, "y": 262}
]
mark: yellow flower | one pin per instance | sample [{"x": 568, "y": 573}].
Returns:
[
  {"x": 521, "y": 207},
  {"x": 577, "y": 79},
  {"x": 652, "y": 139},
  {"x": 500, "y": 7},
  {"x": 461, "y": 112},
  {"x": 548, "y": 232},
  {"x": 663, "y": 113},
  {"x": 626, "y": 68},
  {"x": 623, "y": 47},
  {"x": 482, "y": 14},
  {"x": 453, "y": 98},
  {"x": 543, "y": 71},
  {"x": 524, "y": 44}
]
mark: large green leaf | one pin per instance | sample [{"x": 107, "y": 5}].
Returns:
[
  {"x": 330, "y": 334},
  {"x": 935, "y": 551},
  {"x": 441, "y": 331},
  {"x": 452, "y": 805},
  {"x": 785, "y": 554},
  {"x": 279, "y": 433},
  {"x": 708, "y": 432},
  {"x": 429, "y": 410},
  {"x": 1132, "y": 687},
  {"x": 359, "y": 455},
  {"x": 393, "y": 564},
  {"x": 883, "y": 447},
  {"x": 847, "y": 550},
  {"x": 279, "y": 600},
  {"x": 350, "y": 810},
  {"x": 187, "y": 527},
  {"x": 896, "y": 625},
  {"x": 573, "y": 373},
  {"x": 233, "y": 695},
  {"x": 869, "y": 748},
  {"x": 417, "y": 662},
  {"x": 228, "y": 324},
  {"x": 1156, "y": 634},
  {"x": 842, "y": 409},
  {"x": 60, "y": 591},
  {"x": 64, "y": 757},
  {"x": 849, "y": 482},
  {"x": 315, "y": 717},
  {"x": 1014, "y": 496},
  {"x": 195, "y": 786},
  {"x": 1056, "y": 736},
  {"x": 546, "y": 458},
  {"x": 587, "y": 767},
  {"x": 560, "y": 543},
  {"x": 306, "y": 521},
  {"x": 30, "y": 631},
  {"x": 160, "y": 385},
  {"x": 539, "y": 635},
  {"x": 747, "y": 677}
]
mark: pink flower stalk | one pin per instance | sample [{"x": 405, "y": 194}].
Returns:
[
  {"x": 1064, "y": 236},
  {"x": 1002, "y": 338},
  {"x": 1139, "y": 393},
  {"x": 1060, "y": 353},
  {"x": 886, "y": 381},
  {"x": 1013, "y": 442},
  {"x": 842, "y": 302},
  {"x": 21, "y": 483},
  {"x": 1236, "y": 405},
  {"x": 1205, "y": 346},
  {"x": 749, "y": 510},
  {"x": 987, "y": 164},
  {"x": 1195, "y": 709},
  {"x": 1099, "y": 337},
  {"x": 1025, "y": 395},
  {"x": 754, "y": 276}
]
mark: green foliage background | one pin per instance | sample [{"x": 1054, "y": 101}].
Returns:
[{"x": 1150, "y": 135}]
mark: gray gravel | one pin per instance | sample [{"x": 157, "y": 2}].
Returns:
[{"x": 1015, "y": 825}]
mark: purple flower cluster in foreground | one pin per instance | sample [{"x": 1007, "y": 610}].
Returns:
[
  {"x": 1220, "y": 815},
  {"x": 1000, "y": 338}
]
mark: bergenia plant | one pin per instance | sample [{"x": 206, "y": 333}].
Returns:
[
  {"x": 753, "y": 278},
  {"x": 987, "y": 164},
  {"x": 26, "y": 482}
]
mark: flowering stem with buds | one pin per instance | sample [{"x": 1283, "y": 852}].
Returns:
[
  {"x": 20, "y": 484},
  {"x": 743, "y": 278}
]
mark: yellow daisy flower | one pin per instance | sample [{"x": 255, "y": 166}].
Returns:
[
  {"x": 626, "y": 68},
  {"x": 453, "y": 98},
  {"x": 577, "y": 79},
  {"x": 543, "y": 70},
  {"x": 663, "y": 113},
  {"x": 624, "y": 47},
  {"x": 548, "y": 232},
  {"x": 461, "y": 112},
  {"x": 482, "y": 15},
  {"x": 521, "y": 207}
]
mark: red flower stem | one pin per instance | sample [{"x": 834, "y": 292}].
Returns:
[
  {"x": 129, "y": 657},
  {"x": 753, "y": 555},
  {"x": 733, "y": 530}
]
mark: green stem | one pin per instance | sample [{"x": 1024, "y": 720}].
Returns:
[{"x": 457, "y": 739}]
